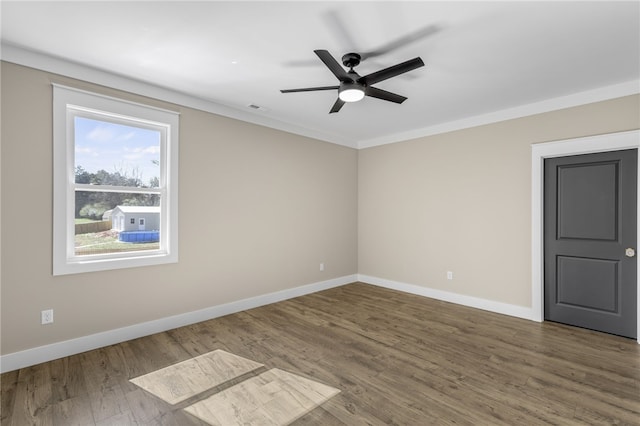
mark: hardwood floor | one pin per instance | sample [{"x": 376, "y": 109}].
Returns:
[{"x": 396, "y": 359}]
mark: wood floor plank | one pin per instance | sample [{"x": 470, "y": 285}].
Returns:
[
  {"x": 108, "y": 403},
  {"x": 74, "y": 411},
  {"x": 67, "y": 379},
  {"x": 99, "y": 374},
  {"x": 8, "y": 387},
  {"x": 121, "y": 419},
  {"x": 143, "y": 407},
  {"x": 396, "y": 359},
  {"x": 193, "y": 341},
  {"x": 33, "y": 397}
]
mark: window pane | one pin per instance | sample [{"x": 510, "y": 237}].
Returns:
[
  {"x": 108, "y": 153},
  {"x": 124, "y": 147},
  {"x": 113, "y": 222}
]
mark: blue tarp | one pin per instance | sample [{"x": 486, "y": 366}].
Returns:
[{"x": 139, "y": 236}]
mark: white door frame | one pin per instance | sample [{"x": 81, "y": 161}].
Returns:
[{"x": 585, "y": 145}]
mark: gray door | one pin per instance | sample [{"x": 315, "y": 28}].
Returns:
[{"x": 590, "y": 222}]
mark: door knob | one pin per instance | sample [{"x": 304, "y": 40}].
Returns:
[{"x": 630, "y": 252}]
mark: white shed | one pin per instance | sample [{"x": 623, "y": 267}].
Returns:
[{"x": 135, "y": 218}]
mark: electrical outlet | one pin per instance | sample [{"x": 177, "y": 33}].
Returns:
[
  {"x": 449, "y": 275},
  {"x": 46, "y": 316},
  {"x": 321, "y": 267}
]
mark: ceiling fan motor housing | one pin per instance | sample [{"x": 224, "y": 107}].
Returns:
[{"x": 351, "y": 60}]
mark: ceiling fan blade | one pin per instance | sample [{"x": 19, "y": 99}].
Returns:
[
  {"x": 392, "y": 71},
  {"x": 384, "y": 95},
  {"x": 336, "y": 107},
  {"x": 310, "y": 89},
  {"x": 402, "y": 41},
  {"x": 333, "y": 65},
  {"x": 340, "y": 29}
]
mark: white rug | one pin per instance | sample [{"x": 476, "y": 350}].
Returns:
[
  {"x": 189, "y": 378},
  {"x": 274, "y": 398}
]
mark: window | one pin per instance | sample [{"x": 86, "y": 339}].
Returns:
[{"x": 113, "y": 160}]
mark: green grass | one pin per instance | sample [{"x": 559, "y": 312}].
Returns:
[
  {"x": 107, "y": 242},
  {"x": 85, "y": 220}
]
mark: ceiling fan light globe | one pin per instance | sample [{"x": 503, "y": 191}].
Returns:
[{"x": 351, "y": 95}]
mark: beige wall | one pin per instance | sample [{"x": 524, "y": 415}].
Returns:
[
  {"x": 259, "y": 210},
  {"x": 461, "y": 202}
]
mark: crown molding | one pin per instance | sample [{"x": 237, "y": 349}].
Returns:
[
  {"x": 56, "y": 65},
  {"x": 576, "y": 99}
]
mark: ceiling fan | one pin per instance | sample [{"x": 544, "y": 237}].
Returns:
[{"x": 352, "y": 86}]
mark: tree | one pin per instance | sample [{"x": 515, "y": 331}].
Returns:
[
  {"x": 94, "y": 211},
  {"x": 93, "y": 204},
  {"x": 82, "y": 197},
  {"x": 82, "y": 176}
]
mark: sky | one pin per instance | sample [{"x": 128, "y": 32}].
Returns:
[{"x": 116, "y": 147}]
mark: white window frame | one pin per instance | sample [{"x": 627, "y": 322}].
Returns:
[{"x": 70, "y": 102}]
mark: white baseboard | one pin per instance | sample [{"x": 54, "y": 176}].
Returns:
[
  {"x": 26, "y": 358},
  {"x": 473, "y": 302},
  {"x": 57, "y": 350}
]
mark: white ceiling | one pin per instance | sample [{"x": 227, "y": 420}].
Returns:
[{"x": 486, "y": 61}]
